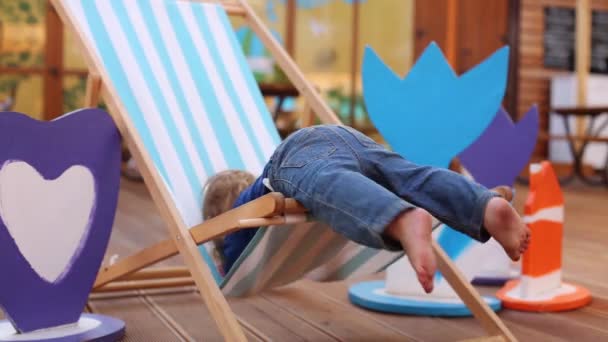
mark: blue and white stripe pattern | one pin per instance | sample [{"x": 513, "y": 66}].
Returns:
[{"x": 186, "y": 87}]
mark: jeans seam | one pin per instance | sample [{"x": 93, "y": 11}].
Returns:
[
  {"x": 350, "y": 148},
  {"x": 396, "y": 209},
  {"x": 329, "y": 152},
  {"x": 476, "y": 222},
  {"x": 483, "y": 199},
  {"x": 401, "y": 206},
  {"x": 359, "y": 140},
  {"x": 443, "y": 218}
]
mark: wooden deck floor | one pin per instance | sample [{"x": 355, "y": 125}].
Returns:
[{"x": 321, "y": 312}]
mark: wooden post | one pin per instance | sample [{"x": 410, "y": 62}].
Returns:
[
  {"x": 512, "y": 95},
  {"x": 451, "y": 34},
  {"x": 583, "y": 56},
  {"x": 308, "y": 117},
  {"x": 354, "y": 59},
  {"x": 53, "y": 59},
  {"x": 1, "y": 36},
  {"x": 410, "y": 10},
  {"x": 93, "y": 89},
  {"x": 290, "y": 27}
]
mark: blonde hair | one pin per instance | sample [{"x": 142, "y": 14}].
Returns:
[{"x": 220, "y": 193}]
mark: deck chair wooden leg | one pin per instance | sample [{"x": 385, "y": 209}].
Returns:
[
  {"x": 135, "y": 262},
  {"x": 217, "y": 304},
  {"x": 159, "y": 273},
  {"x": 482, "y": 312},
  {"x": 93, "y": 90},
  {"x": 308, "y": 116},
  {"x": 146, "y": 284}
]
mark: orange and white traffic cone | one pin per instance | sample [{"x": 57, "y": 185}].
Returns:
[{"x": 540, "y": 287}]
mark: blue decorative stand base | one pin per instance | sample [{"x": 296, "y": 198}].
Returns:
[
  {"x": 372, "y": 295},
  {"x": 90, "y": 327}
]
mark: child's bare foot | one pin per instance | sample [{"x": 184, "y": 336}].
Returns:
[
  {"x": 506, "y": 227},
  {"x": 413, "y": 229}
]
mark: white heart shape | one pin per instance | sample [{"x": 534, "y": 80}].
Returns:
[{"x": 48, "y": 219}]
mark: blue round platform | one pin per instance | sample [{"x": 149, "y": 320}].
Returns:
[
  {"x": 371, "y": 295},
  {"x": 90, "y": 327}
]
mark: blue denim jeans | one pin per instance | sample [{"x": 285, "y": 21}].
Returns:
[{"x": 358, "y": 187}]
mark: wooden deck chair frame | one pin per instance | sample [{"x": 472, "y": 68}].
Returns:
[{"x": 268, "y": 210}]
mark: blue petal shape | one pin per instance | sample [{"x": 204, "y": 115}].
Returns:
[
  {"x": 503, "y": 150},
  {"x": 432, "y": 115},
  {"x": 496, "y": 158}
]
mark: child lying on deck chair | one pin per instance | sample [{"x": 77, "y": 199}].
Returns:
[{"x": 370, "y": 195}]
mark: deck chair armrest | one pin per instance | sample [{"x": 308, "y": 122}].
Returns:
[
  {"x": 294, "y": 207},
  {"x": 267, "y": 206}
]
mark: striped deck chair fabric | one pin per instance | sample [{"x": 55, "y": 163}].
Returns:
[{"x": 185, "y": 83}]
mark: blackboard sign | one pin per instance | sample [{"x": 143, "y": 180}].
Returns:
[
  {"x": 559, "y": 43},
  {"x": 560, "y": 39},
  {"x": 599, "y": 42}
]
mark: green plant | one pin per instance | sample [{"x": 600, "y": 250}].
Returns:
[
  {"x": 22, "y": 11},
  {"x": 8, "y": 83},
  {"x": 73, "y": 95}
]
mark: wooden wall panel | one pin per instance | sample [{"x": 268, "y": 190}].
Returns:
[
  {"x": 483, "y": 31},
  {"x": 431, "y": 25},
  {"x": 474, "y": 30},
  {"x": 53, "y": 58},
  {"x": 534, "y": 79}
]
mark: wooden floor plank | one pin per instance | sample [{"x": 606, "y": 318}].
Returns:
[
  {"x": 599, "y": 305},
  {"x": 142, "y": 323},
  {"x": 424, "y": 328},
  {"x": 188, "y": 310},
  {"x": 418, "y": 328},
  {"x": 588, "y": 318},
  {"x": 343, "y": 323},
  {"x": 276, "y": 322},
  {"x": 556, "y": 325}
]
